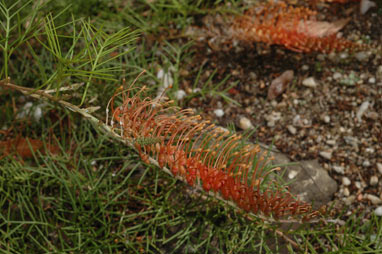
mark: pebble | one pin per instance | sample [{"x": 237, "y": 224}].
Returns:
[
  {"x": 326, "y": 155},
  {"x": 309, "y": 82},
  {"x": 358, "y": 185},
  {"x": 371, "y": 80},
  {"x": 327, "y": 119},
  {"x": 346, "y": 181},
  {"x": 343, "y": 55},
  {"x": 366, "y": 163},
  {"x": 305, "y": 67},
  {"x": 292, "y": 129},
  {"x": 179, "y": 95},
  {"x": 361, "y": 56},
  {"x": 245, "y": 123},
  {"x": 292, "y": 174},
  {"x": 337, "y": 75},
  {"x": 373, "y": 199},
  {"x": 379, "y": 72},
  {"x": 346, "y": 192},
  {"x": 379, "y": 167},
  {"x": 339, "y": 169},
  {"x": 219, "y": 112},
  {"x": 362, "y": 109},
  {"x": 373, "y": 180},
  {"x": 350, "y": 200},
  {"x": 378, "y": 211}
]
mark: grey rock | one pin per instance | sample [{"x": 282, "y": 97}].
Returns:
[
  {"x": 311, "y": 183},
  {"x": 326, "y": 155}
]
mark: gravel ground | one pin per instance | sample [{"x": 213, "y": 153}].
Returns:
[{"x": 331, "y": 111}]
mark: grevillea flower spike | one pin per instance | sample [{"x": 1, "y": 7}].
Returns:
[
  {"x": 202, "y": 154},
  {"x": 296, "y": 28}
]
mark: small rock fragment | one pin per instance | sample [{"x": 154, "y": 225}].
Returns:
[
  {"x": 292, "y": 129},
  {"x": 346, "y": 181},
  {"x": 378, "y": 211},
  {"x": 279, "y": 84},
  {"x": 373, "y": 180},
  {"x": 309, "y": 82},
  {"x": 365, "y": 5},
  {"x": 219, "y": 112},
  {"x": 245, "y": 123},
  {"x": 362, "y": 109},
  {"x": 337, "y": 75},
  {"x": 373, "y": 199},
  {"x": 326, "y": 155},
  {"x": 346, "y": 192},
  {"x": 361, "y": 56},
  {"x": 372, "y": 80},
  {"x": 327, "y": 119},
  {"x": 339, "y": 169},
  {"x": 179, "y": 95},
  {"x": 292, "y": 174},
  {"x": 379, "y": 167}
]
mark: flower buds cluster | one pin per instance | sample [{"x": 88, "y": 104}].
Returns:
[
  {"x": 296, "y": 28},
  {"x": 202, "y": 154}
]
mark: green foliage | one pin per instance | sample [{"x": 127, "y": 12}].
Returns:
[{"x": 95, "y": 196}]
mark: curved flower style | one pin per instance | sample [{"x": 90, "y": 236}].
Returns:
[
  {"x": 202, "y": 154},
  {"x": 296, "y": 28}
]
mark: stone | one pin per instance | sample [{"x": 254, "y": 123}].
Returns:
[
  {"x": 292, "y": 129},
  {"x": 378, "y": 211},
  {"x": 219, "y": 112},
  {"x": 326, "y": 155},
  {"x": 180, "y": 94},
  {"x": 379, "y": 167},
  {"x": 339, "y": 169},
  {"x": 337, "y": 75},
  {"x": 309, "y": 82},
  {"x": 346, "y": 181},
  {"x": 311, "y": 183},
  {"x": 346, "y": 192},
  {"x": 245, "y": 123},
  {"x": 373, "y": 199},
  {"x": 373, "y": 180}
]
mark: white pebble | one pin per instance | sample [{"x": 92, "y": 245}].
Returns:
[
  {"x": 365, "y": 6},
  {"x": 309, "y": 82},
  {"x": 179, "y": 95},
  {"x": 373, "y": 199},
  {"x": 378, "y": 211},
  {"x": 245, "y": 123},
  {"x": 362, "y": 109},
  {"x": 366, "y": 163},
  {"x": 346, "y": 181},
  {"x": 379, "y": 167},
  {"x": 292, "y": 174},
  {"x": 326, "y": 155},
  {"x": 292, "y": 129},
  {"x": 361, "y": 56},
  {"x": 372, "y": 80},
  {"x": 339, "y": 169},
  {"x": 346, "y": 192},
  {"x": 327, "y": 119},
  {"x": 337, "y": 75},
  {"x": 219, "y": 112},
  {"x": 373, "y": 180}
]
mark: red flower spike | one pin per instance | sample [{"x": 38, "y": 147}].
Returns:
[
  {"x": 296, "y": 28},
  {"x": 199, "y": 152}
]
